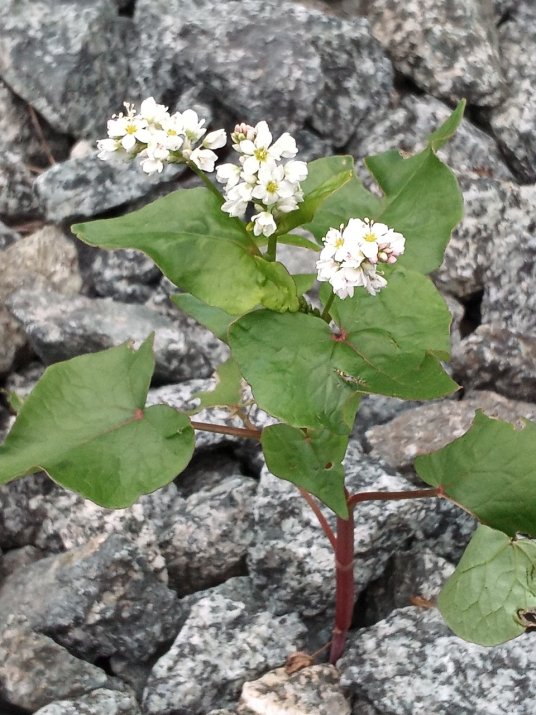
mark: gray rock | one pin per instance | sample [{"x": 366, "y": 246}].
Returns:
[
  {"x": 82, "y": 188},
  {"x": 46, "y": 259},
  {"x": 411, "y": 664},
  {"x": 292, "y": 562},
  {"x": 61, "y": 328},
  {"x": 513, "y": 123},
  {"x": 445, "y": 529},
  {"x": 68, "y": 61},
  {"x": 312, "y": 691},
  {"x": 377, "y": 410},
  {"x": 97, "y": 600},
  {"x": 12, "y": 339},
  {"x": 497, "y": 359},
  {"x": 22, "y": 509},
  {"x": 430, "y": 427},
  {"x": 35, "y": 671},
  {"x": 406, "y": 127},
  {"x": 7, "y": 236},
  {"x": 448, "y": 49},
  {"x": 224, "y": 642},
  {"x": 99, "y": 702},
  {"x": 413, "y": 577},
  {"x": 16, "y": 559},
  {"x": 17, "y": 200},
  {"x": 210, "y": 535},
  {"x": 125, "y": 275}
]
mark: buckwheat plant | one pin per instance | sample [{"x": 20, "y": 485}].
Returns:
[{"x": 381, "y": 327}]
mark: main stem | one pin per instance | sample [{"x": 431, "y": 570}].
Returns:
[{"x": 344, "y": 576}]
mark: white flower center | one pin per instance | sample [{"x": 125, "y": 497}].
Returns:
[
  {"x": 261, "y": 154},
  {"x": 370, "y": 237}
]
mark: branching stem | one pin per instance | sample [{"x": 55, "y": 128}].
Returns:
[
  {"x": 226, "y": 429},
  {"x": 392, "y": 496},
  {"x": 321, "y": 518},
  {"x": 205, "y": 179},
  {"x": 271, "y": 251}
]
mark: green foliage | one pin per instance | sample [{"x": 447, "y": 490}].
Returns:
[
  {"x": 200, "y": 249},
  {"x": 421, "y": 199},
  {"x": 491, "y": 596},
  {"x": 15, "y": 401},
  {"x": 215, "y": 319},
  {"x": 85, "y": 424},
  {"x": 305, "y": 375},
  {"x": 490, "y": 471},
  {"x": 227, "y": 392},
  {"x": 311, "y": 460}
]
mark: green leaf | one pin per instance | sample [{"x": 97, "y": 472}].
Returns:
[
  {"x": 304, "y": 282},
  {"x": 491, "y": 596},
  {"x": 315, "y": 195},
  {"x": 312, "y": 461},
  {"x": 303, "y": 374},
  {"x": 15, "y": 401},
  {"x": 85, "y": 424},
  {"x": 215, "y": 319},
  {"x": 227, "y": 392},
  {"x": 421, "y": 200},
  {"x": 200, "y": 249},
  {"x": 292, "y": 239},
  {"x": 491, "y": 471}
]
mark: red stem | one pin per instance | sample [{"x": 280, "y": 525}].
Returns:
[
  {"x": 388, "y": 496},
  {"x": 321, "y": 518},
  {"x": 344, "y": 564},
  {"x": 226, "y": 429}
]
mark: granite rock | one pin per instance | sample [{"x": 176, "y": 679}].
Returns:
[
  {"x": 97, "y": 600},
  {"x": 291, "y": 560},
  {"x": 8, "y": 236},
  {"x": 82, "y": 188},
  {"x": 312, "y": 691},
  {"x": 450, "y": 50},
  {"x": 209, "y": 536},
  {"x": 16, "y": 559},
  {"x": 430, "y": 427},
  {"x": 513, "y": 123},
  {"x": 60, "y": 328},
  {"x": 497, "y": 359},
  {"x": 66, "y": 59},
  {"x": 225, "y": 641},
  {"x": 35, "y": 671},
  {"x": 22, "y": 509},
  {"x": 125, "y": 275},
  {"x": 406, "y": 126},
  {"x": 17, "y": 199},
  {"x": 445, "y": 529},
  {"x": 412, "y": 664},
  {"x": 99, "y": 702},
  {"x": 12, "y": 339}
]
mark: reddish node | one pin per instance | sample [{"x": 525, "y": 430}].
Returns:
[
  {"x": 138, "y": 415},
  {"x": 340, "y": 337}
]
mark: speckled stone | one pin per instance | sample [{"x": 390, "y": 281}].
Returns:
[
  {"x": 497, "y": 359},
  {"x": 17, "y": 199},
  {"x": 12, "y": 339},
  {"x": 82, "y": 188},
  {"x": 412, "y": 664},
  {"x": 292, "y": 561},
  {"x": 444, "y": 528},
  {"x": 18, "y": 559},
  {"x": 22, "y": 509},
  {"x": 513, "y": 123},
  {"x": 450, "y": 50},
  {"x": 125, "y": 275},
  {"x": 99, "y": 702},
  {"x": 66, "y": 59},
  {"x": 312, "y": 691},
  {"x": 60, "y": 328},
  {"x": 35, "y": 671},
  {"x": 428, "y": 428},
  {"x": 406, "y": 127},
  {"x": 225, "y": 642},
  {"x": 97, "y": 600},
  {"x": 209, "y": 536},
  {"x": 8, "y": 236}
]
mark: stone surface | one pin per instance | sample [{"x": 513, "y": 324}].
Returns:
[
  {"x": 125, "y": 275},
  {"x": 22, "y": 509},
  {"x": 209, "y": 536},
  {"x": 450, "y": 50},
  {"x": 97, "y": 600},
  {"x": 16, "y": 559},
  {"x": 7, "y": 236},
  {"x": 35, "y": 671},
  {"x": 66, "y": 59},
  {"x": 225, "y": 641},
  {"x": 445, "y": 529},
  {"x": 412, "y": 664},
  {"x": 312, "y": 691},
  {"x": 407, "y": 125},
  {"x": 12, "y": 339},
  {"x": 291, "y": 561},
  {"x": 430, "y": 427},
  {"x": 17, "y": 199},
  {"x": 99, "y": 702},
  {"x": 514, "y": 122},
  {"x": 497, "y": 359},
  {"x": 60, "y": 328},
  {"x": 83, "y": 188}
]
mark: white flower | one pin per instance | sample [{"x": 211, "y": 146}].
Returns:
[
  {"x": 152, "y": 112},
  {"x": 272, "y": 186},
  {"x": 376, "y": 241},
  {"x": 172, "y": 129},
  {"x": 107, "y": 148},
  {"x": 264, "y": 223},
  {"x": 192, "y": 126},
  {"x": 215, "y": 140},
  {"x": 285, "y": 147},
  {"x": 258, "y": 152},
  {"x": 204, "y": 159},
  {"x": 285, "y": 206},
  {"x": 129, "y": 130},
  {"x": 235, "y": 207},
  {"x": 228, "y": 174},
  {"x": 296, "y": 171}
]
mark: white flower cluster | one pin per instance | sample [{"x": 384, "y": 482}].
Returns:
[
  {"x": 274, "y": 187},
  {"x": 351, "y": 255},
  {"x": 159, "y": 138}
]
